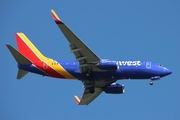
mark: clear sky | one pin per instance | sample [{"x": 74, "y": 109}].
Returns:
[{"x": 117, "y": 30}]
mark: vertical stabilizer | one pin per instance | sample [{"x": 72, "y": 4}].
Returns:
[{"x": 26, "y": 48}]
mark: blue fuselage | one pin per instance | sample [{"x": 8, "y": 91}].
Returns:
[{"x": 127, "y": 69}]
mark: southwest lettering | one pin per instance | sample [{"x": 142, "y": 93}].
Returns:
[{"x": 129, "y": 63}]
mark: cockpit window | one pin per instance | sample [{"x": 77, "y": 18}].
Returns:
[{"x": 159, "y": 64}]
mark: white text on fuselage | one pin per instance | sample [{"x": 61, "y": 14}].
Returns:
[{"x": 129, "y": 63}]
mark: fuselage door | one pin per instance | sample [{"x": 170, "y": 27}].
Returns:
[
  {"x": 148, "y": 64},
  {"x": 45, "y": 66}
]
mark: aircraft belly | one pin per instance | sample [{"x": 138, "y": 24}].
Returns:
[
  {"x": 136, "y": 73},
  {"x": 98, "y": 76}
]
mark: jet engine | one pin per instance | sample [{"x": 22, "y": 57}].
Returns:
[
  {"x": 108, "y": 65},
  {"x": 115, "y": 88}
]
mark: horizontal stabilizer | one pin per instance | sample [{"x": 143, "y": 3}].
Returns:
[
  {"x": 18, "y": 56},
  {"x": 21, "y": 73}
]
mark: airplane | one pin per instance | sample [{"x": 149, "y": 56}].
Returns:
[{"x": 97, "y": 75}]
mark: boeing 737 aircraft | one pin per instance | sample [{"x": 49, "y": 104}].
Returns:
[{"x": 98, "y": 75}]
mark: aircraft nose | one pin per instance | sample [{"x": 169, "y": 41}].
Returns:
[{"x": 167, "y": 71}]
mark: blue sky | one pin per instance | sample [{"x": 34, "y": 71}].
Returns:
[{"x": 119, "y": 29}]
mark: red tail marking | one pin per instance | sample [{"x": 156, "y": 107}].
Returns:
[{"x": 24, "y": 49}]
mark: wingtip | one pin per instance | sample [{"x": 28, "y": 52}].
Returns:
[
  {"x": 55, "y": 17},
  {"x": 77, "y": 99}
]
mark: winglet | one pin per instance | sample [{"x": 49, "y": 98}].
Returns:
[
  {"x": 77, "y": 99},
  {"x": 56, "y": 18}
]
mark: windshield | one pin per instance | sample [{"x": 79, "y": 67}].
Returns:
[{"x": 159, "y": 64}]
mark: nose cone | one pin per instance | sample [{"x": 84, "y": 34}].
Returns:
[{"x": 167, "y": 71}]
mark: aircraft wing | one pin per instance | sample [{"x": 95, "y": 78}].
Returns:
[
  {"x": 88, "y": 97},
  {"x": 82, "y": 53}
]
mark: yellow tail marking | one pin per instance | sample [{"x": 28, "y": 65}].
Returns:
[{"x": 32, "y": 47}]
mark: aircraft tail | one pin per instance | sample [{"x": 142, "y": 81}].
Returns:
[
  {"x": 26, "y": 48},
  {"x": 22, "y": 60}
]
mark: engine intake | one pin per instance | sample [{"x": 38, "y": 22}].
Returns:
[
  {"x": 115, "y": 88},
  {"x": 108, "y": 65}
]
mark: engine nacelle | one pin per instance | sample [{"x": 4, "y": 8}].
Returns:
[
  {"x": 115, "y": 88},
  {"x": 108, "y": 65}
]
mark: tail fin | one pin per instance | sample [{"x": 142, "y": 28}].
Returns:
[
  {"x": 26, "y": 48},
  {"x": 20, "y": 60}
]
